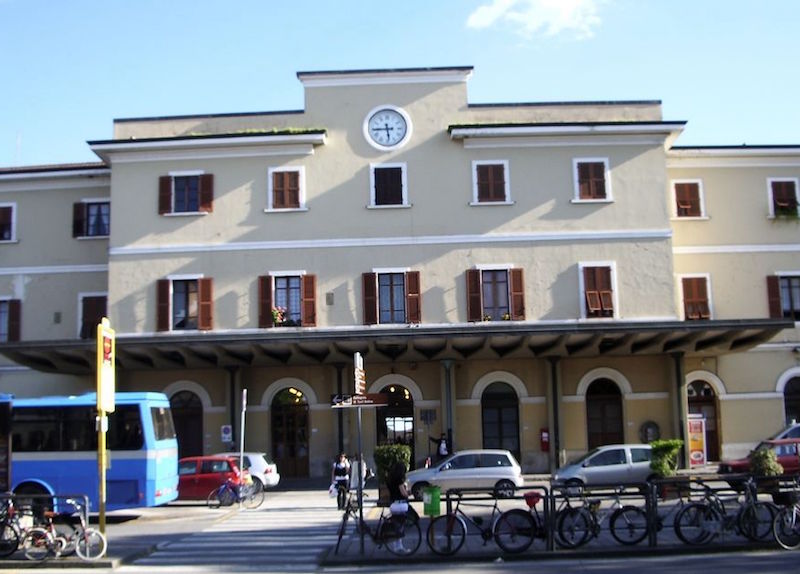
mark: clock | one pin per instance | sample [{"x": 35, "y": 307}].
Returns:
[{"x": 387, "y": 127}]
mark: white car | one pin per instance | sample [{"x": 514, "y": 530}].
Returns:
[
  {"x": 611, "y": 464},
  {"x": 262, "y": 469},
  {"x": 495, "y": 470}
]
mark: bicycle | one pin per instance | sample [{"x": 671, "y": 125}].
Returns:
[
  {"x": 516, "y": 529},
  {"x": 786, "y": 524},
  {"x": 447, "y": 533},
  {"x": 10, "y": 530},
  {"x": 700, "y": 522},
  {"x": 577, "y": 525},
  {"x": 400, "y": 534},
  {"x": 56, "y": 540},
  {"x": 228, "y": 492}
]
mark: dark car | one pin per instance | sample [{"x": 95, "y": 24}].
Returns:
[
  {"x": 786, "y": 451},
  {"x": 199, "y": 475}
]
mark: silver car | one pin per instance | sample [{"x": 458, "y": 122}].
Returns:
[
  {"x": 612, "y": 464},
  {"x": 493, "y": 469}
]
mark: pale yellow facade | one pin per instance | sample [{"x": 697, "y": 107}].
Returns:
[{"x": 449, "y": 366}]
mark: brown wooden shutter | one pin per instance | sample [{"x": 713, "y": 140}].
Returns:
[
  {"x": 774, "y": 296},
  {"x": 207, "y": 192},
  {"x": 164, "y": 194},
  {"x": 265, "y": 302},
  {"x": 78, "y": 219},
  {"x": 94, "y": 309},
  {"x": 474, "y": 298},
  {"x": 517, "y": 295},
  {"x": 308, "y": 296},
  {"x": 370, "y": 298},
  {"x": 163, "y": 304},
  {"x": 14, "y": 320},
  {"x": 413, "y": 298},
  {"x": 205, "y": 296},
  {"x": 687, "y": 199}
]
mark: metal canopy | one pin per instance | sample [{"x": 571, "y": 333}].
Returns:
[{"x": 406, "y": 343}]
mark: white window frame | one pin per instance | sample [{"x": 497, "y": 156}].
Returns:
[
  {"x": 506, "y": 181},
  {"x": 700, "y": 195},
  {"x": 612, "y": 265},
  {"x": 81, "y": 295},
  {"x": 787, "y": 274},
  {"x": 576, "y": 191},
  {"x": 771, "y": 202},
  {"x": 679, "y": 279},
  {"x": 13, "y": 206},
  {"x": 404, "y": 182},
  {"x": 301, "y": 184},
  {"x": 107, "y": 200},
  {"x": 384, "y": 271},
  {"x": 185, "y": 173}
]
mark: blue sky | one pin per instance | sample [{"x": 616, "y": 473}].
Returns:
[{"x": 730, "y": 68}]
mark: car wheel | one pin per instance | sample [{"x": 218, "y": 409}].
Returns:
[
  {"x": 504, "y": 489},
  {"x": 417, "y": 488},
  {"x": 574, "y": 486}
]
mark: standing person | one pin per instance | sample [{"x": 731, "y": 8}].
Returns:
[
  {"x": 442, "y": 448},
  {"x": 340, "y": 475}
]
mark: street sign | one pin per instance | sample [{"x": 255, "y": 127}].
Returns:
[
  {"x": 360, "y": 375},
  {"x": 106, "y": 354},
  {"x": 368, "y": 400}
]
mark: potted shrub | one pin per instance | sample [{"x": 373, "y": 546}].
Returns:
[
  {"x": 664, "y": 461},
  {"x": 386, "y": 456},
  {"x": 763, "y": 463}
]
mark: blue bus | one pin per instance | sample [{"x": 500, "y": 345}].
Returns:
[{"x": 54, "y": 449}]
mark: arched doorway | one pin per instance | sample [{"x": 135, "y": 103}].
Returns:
[
  {"x": 500, "y": 418},
  {"x": 604, "y": 413},
  {"x": 396, "y": 420},
  {"x": 187, "y": 415},
  {"x": 290, "y": 432},
  {"x": 791, "y": 400},
  {"x": 703, "y": 401}
]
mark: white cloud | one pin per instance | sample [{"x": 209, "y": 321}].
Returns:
[{"x": 546, "y": 17}]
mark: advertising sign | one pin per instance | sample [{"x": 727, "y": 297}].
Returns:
[
  {"x": 697, "y": 440},
  {"x": 106, "y": 352}
]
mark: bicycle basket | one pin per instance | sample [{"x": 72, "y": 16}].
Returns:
[{"x": 786, "y": 498}]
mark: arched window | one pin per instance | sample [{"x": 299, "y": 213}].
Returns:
[
  {"x": 791, "y": 400},
  {"x": 604, "y": 413},
  {"x": 396, "y": 420},
  {"x": 703, "y": 401},
  {"x": 500, "y": 418},
  {"x": 187, "y": 415},
  {"x": 290, "y": 432}
]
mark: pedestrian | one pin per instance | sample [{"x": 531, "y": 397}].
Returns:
[
  {"x": 398, "y": 496},
  {"x": 340, "y": 475},
  {"x": 442, "y": 448}
]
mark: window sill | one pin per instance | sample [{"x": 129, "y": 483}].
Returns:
[
  {"x": 490, "y": 203},
  {"x": 690, "y": 218},
  {"x": 285, "y": 209},
  {"x": 8, "y": 241},
  {"x": 400, "y": 206},
  {"x": 784, "y": 217},
  {"x": 185, "y": 213},
  {"x": 577, "y": 201},
  {"x": 90, "y": 237}
]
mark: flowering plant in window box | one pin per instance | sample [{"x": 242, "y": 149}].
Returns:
[
  {"x": 487, "y": 317},
  {"x": 506, "y": 316},
  {"x": 278, "y": 315}
]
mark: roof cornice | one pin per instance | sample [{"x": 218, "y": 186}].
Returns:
[
  {"x": 326, "y": 79},
  {"x": 465, "y": 131}
]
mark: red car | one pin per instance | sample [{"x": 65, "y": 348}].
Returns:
[
  {"x": 786, "y": 450},
  {"x": 199, "y": 475}
]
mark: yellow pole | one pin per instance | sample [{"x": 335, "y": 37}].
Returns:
[{"x": 101, "y": 467}]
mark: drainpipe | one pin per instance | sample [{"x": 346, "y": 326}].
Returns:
[
  {"x": 555, "y": 434},
  {"x": 233, "y": 381},
  {"x": 682, "y": 406},
  {"x": 448, "y": 402},
  {"x": 340, "y": 412}
]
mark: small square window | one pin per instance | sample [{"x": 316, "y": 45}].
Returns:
[
  {"x": 388, "y": 185},
  {"x": 783, "y": 197},
  {"x": 598, "y": 292},
  {"x": 285, "y": 192},
  {"x": 490, "y": 182},
  {"x": 91, "y": 219},
  {"x": 183, "y": 192},
  {"x": 688, "y": 199},
  {"x": 7, "y": 230},
  {"x": 695, "y": 298}
]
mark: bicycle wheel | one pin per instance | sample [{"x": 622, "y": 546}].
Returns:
[
  {"x": 92, "y": 545},
  {"x": 697, "y": 523},
  {"x": 408, "y": 540},
  {"x": 253, "y": 499},
  {"x": 213, "y": 498},
  {"x": 515, "y": 530},
  {"x": 446, "y": 534},
  {"x": 68, "y": 534},
  {"x": 574, "y": 527},
  {"x": 786, "y": 527},
  {"x": 37, "y": 544},
  {"x": 755, "y": 520},
  {"x": 9, "y": 540},
  {"x": 628, "y": 525}
]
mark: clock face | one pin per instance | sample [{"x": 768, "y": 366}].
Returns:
[{"x": 387, "y": 127}]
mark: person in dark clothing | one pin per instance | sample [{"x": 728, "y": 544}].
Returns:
[
  {"x": 442, "y": 447},
  {"x": 340, "y": 476}
]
